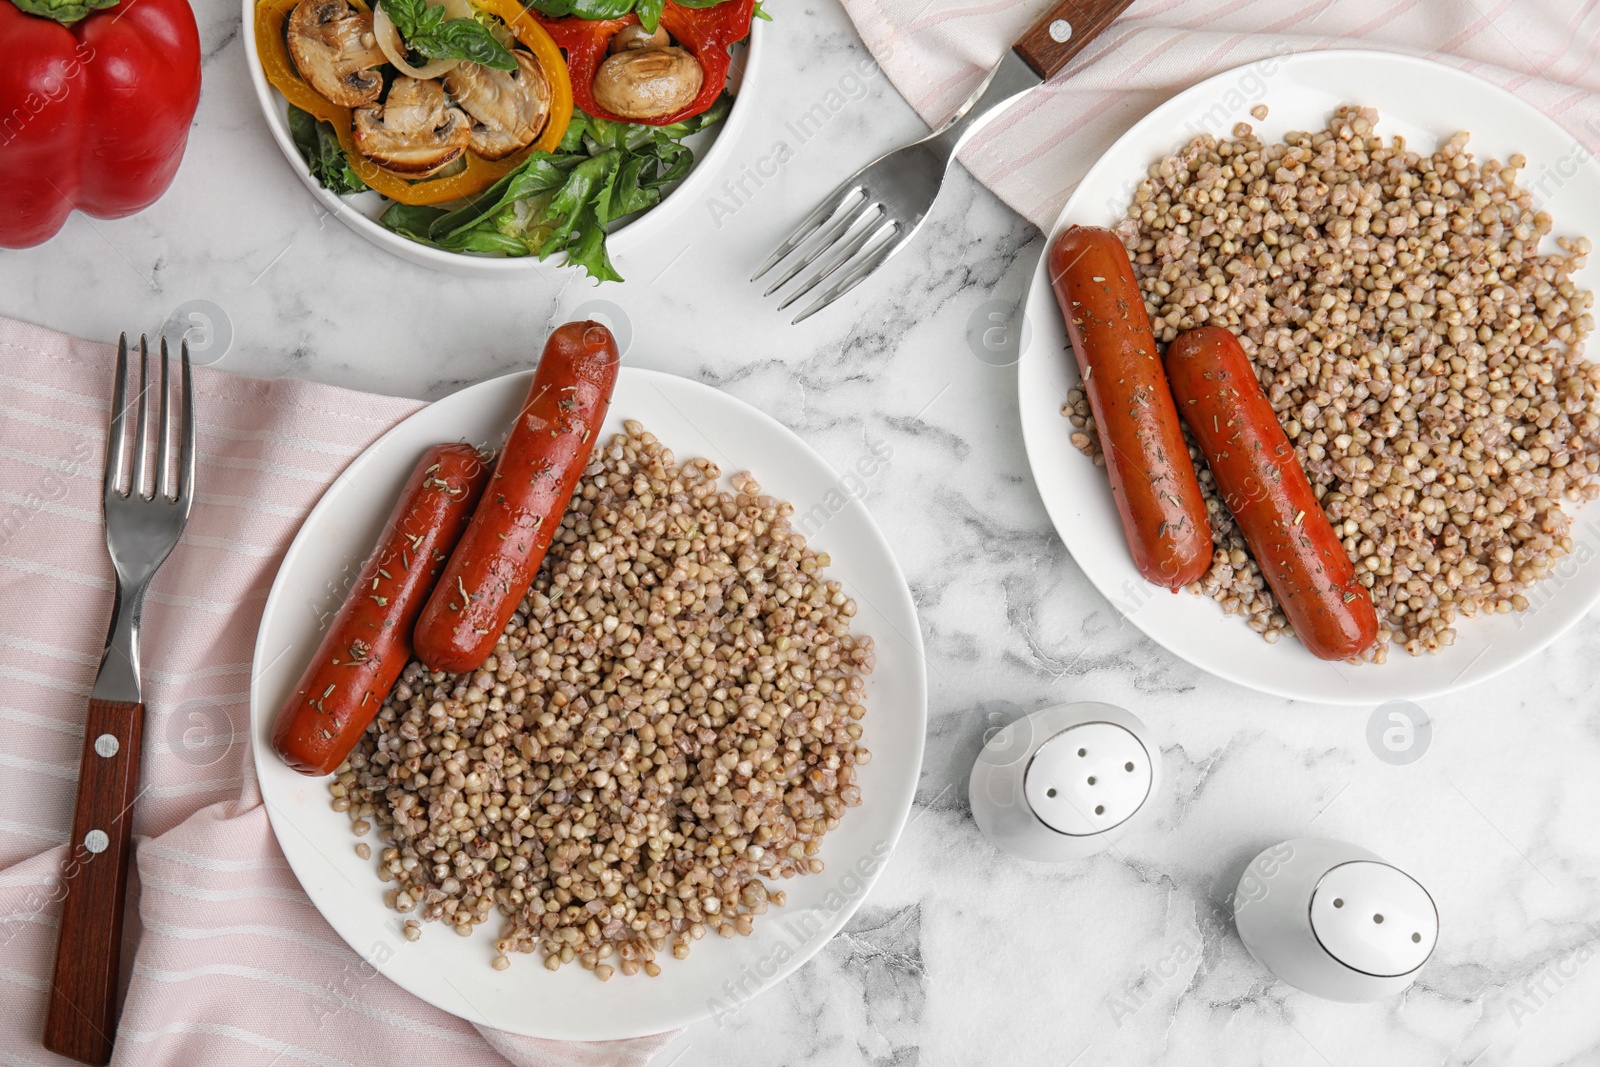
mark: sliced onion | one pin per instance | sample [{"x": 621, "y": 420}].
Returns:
[
  {"x": 455, "y": 9},
  {"x": 389, "y": 41}
]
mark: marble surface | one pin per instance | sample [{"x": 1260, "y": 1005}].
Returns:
[{"x": 960, "y": 955}]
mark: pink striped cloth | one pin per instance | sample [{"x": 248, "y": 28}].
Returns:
[
  {"x": 227, "y": 962},
  {"x": 936, "y": 52}
]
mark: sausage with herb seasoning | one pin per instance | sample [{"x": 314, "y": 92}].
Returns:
[
  {"x": 1266, "y": 489},
  {"x": 369, "y": 641},
  {"x": 1152, "y": 478},
  {"x": 493, "y": 567}
]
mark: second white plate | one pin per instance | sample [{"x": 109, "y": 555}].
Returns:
[
  {"x": 453, "y": 973},
  {"x": 1425, "y": 102}
]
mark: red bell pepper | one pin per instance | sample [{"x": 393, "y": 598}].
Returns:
[
  {"x": 704, "y": 32},
  {"x": 96, "y": 98}
]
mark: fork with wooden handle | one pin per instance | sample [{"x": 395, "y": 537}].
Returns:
[
  {"x": 876, "y": 211},
  {"x": 141, "y": 530}
]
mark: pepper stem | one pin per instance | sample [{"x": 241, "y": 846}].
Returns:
[{"x": 65, "y": 12}]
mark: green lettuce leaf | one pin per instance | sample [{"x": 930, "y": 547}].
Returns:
[
  {"x": 564, "y": 201},
  {"x": 411, "y": 220},
  {"x": 320, "y": 148}
]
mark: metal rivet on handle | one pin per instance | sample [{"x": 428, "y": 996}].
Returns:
[
  {"x": 96, "y": 841},
  {"x": 1061, "y": 31},
  {"x": 106, "y": 745}
]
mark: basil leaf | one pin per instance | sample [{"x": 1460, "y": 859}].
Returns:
[
  {"x": 413, "y": 18},
  {"x": 650, "y": 13},
  {"x": 583, "y": 9},
  {"x": 324, "y": 156},
  {"x": 428, "y": 33},
  {"x": 466, "y": 39}
]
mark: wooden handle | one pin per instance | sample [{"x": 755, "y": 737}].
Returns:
[
  {"x": 1064, "y": 31},
  {"x": 81, "y": 1018}
]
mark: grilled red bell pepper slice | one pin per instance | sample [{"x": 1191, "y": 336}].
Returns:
[
  {"x": 704, "y": 32},
  {"x": 96, "y": 98}
]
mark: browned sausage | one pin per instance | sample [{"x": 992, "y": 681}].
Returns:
[
  {"x": 493, "y": 567},
  {"x": 1263, "y": 484},
  {"x": 369, "y": 642},
  {"x": 1152, "y": 477}
]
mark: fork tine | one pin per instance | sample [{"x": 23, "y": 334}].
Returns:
[
  {"x": 162, "y": 483},
  {"x": 136, "y": 487},
  {"x": 186, "y": 444},
  {"x": 811, "y": 223},
  {"x": 847, "y": 249},
  {"x": 835, "y": 231},
  {"x": 854, "y": 275},
  {"x": 119, "y": 403}
]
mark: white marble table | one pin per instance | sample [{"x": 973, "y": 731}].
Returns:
[{"x": 961, "y": 955}]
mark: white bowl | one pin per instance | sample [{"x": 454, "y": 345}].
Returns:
[{"x": 360, "y": 212}]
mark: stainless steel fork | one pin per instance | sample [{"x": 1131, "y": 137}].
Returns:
[
  {"x": 877, "y": 210},
  {"x": 141, "y": 530}
]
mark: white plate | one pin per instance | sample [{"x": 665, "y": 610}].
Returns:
[
  {"x": 1425, "y": 102},
  {"x": 452, "y": 972},
  {"x": 361, "y": 212}
]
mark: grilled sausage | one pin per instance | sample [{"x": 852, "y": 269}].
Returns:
[
  {"x": 1152, "y": 477},
  {"x": 493, "y": 567},
  {"x": 369, "y": 642},
  {"x": 1266, "y": 489}
]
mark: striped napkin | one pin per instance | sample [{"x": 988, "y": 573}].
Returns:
[
  {"x": 226, "y": 961},
  {"x": 1033, "y": 156}
]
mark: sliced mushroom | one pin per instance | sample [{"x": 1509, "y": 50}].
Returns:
[
  {"x": 648, "y": 83},
  {"x": 634, "y": 38},
  {"x": 509, "y": 108},
  {"x": 334, "y": 50},
  {"x": 416, "y": 132}
]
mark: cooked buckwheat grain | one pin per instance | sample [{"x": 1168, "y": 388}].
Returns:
[
  {"x": 1424, "y": 357},
  {"x": 672, "y": 717}
]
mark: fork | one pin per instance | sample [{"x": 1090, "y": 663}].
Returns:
[
  {"x": 875, "y": 212},
  {"x": 141, "y": 531}
]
